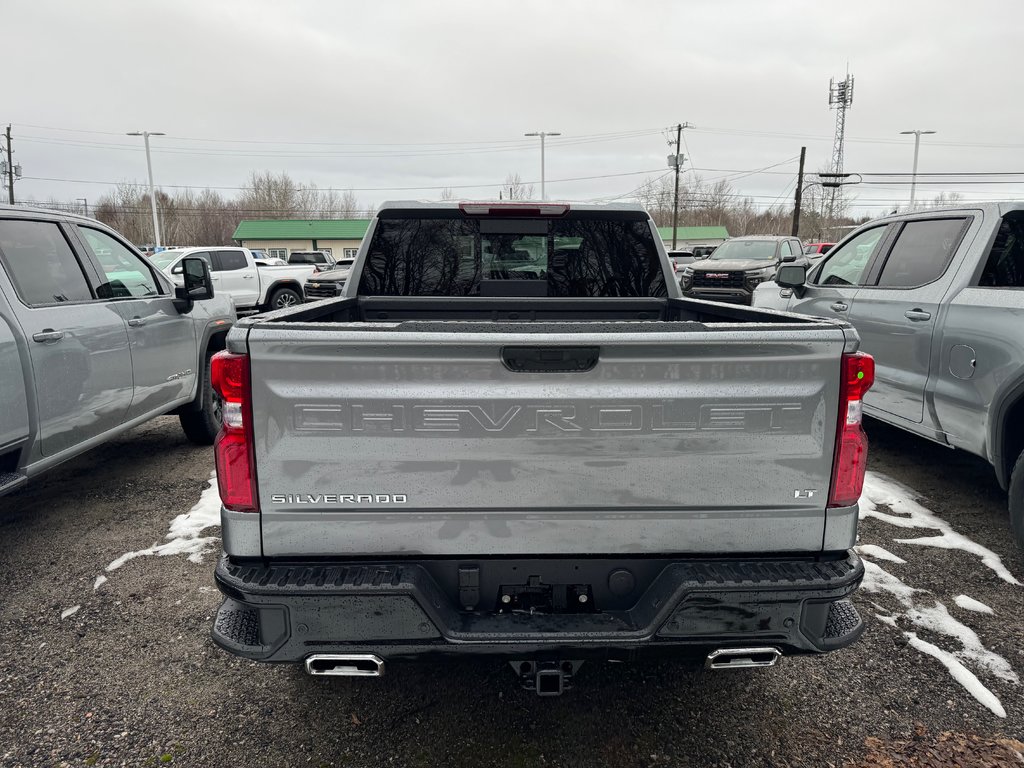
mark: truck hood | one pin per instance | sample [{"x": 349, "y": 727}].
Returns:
[
  {"x": 332, "y": 275},
  {"x": 730, "y": 265}
]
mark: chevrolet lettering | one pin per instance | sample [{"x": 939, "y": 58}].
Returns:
[{"x": 548, "y": 456}]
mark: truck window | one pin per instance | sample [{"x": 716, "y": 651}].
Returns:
[
  {"x": 41, "y": 264},
  {"x": 227, "y": 261},
  {"x": 125, "y": 272},
  {"x": 921, "y": 253},
  {"x": 848, "y": 264},
  {"x": 462, "y": 256},
  {"x": 1005, "y": 266}
]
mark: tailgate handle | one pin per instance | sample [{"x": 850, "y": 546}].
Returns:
[{"x": 550, "y": 359}]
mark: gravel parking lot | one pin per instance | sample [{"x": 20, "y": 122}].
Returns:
[{"x": 132, "y": 678}]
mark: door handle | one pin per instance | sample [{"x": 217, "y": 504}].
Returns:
[
  {"x": 840, "y": 306},
  {"x": 48, "y": 336},
  {"x": 247, "y": 277},
  {"x": 135, "y": 322},
  {"x": 917, "y": 315}
]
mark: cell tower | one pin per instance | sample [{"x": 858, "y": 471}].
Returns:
[{"x": 840, "y": 98}]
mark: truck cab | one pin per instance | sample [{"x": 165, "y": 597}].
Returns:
[{"x": 94, "y": 340}]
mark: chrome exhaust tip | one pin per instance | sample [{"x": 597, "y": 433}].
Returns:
[
  {"x": 742, "y": 658},
  {"x": 345, "y": 664}
]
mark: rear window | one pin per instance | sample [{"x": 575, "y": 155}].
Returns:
[
  {"x": 455, "y": 255},
  {"x": 307, "y": 258}
]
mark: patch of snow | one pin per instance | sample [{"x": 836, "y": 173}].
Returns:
[
  {"x": 877, "y": 579},
  {"x": 936, "y": 618},
  {"x": 183, "y": 533},
  {"x": 873, "y": 550},
  {"x": 100, "y": 581},
  {"x": 906, "y": 512},
  {"x": 69, "y": 612},
  {"x": 970, "y": 604},
  {"x": 960, "y": 673}
]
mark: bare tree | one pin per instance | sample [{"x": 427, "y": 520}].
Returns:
[
  {"x": 515, "y": 189},
  {"x": 448, "y": 194},
  {"x": 946, "y": 200}
]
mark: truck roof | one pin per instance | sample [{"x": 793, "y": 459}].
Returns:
[{"x": 427, "y": 205}]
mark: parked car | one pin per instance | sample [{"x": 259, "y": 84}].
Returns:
[
  {"x": 457, "y": 459},
  {"x": 680, "y": 259},
  {"x": 936, "y": 297},
  {"x": 95, "y": 340},
  {"x": 817, "y": 250},
  {"x": 703, "y": 251},
  {"x": 738, "y": 266},
  {"x": 236, "y": 273},
  {"x": 269, "y": 261},
  {"x": 325, "y": 285},
  {"x": 320, "y": 260}
]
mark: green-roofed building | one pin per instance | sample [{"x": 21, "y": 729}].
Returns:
[
  {"x": 279, "y": 237},
  {"x": 688, "y": 238}
]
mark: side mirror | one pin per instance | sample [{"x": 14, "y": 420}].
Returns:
[
  {"x": 177, "y": 269},
  {"x": 198, "y": 283},
  {"x": 788, "y": 259},
  {"x": 791, "y": 276}
]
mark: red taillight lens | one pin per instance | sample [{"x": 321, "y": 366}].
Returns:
[
  {"x": 233, "y": 451},
  {"x": 851, "y": 453}
]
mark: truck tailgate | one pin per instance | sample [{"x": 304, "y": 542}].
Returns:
[{"x": 456, "y": 444}]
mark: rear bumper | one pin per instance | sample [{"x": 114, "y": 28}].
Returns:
[{"x": 286, "y": 611}]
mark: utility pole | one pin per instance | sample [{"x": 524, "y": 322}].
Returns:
[
  {"x": 10, "y": 169},
  {"x": 152, "y": 190},
  {"x": 913, "y": 175},
  {"x": 677, "y": 163},
  {"x": 543, "y": 135},
  {"x": 799, "y": 193}
]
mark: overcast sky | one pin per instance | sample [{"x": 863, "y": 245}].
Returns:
[{"x": 426, "y": 95}]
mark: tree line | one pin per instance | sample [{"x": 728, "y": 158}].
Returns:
[{"x": 209, "y": 217}]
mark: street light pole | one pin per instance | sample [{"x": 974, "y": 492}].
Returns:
[
  {"x": 913, "y": 174},
  {"x": 543, "y": 135},
  {"x": 152, "y": 189}
]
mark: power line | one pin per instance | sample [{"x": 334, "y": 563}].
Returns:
[
  {"x": 619, "y": 134},
  {"x": 348, "y": 189}
]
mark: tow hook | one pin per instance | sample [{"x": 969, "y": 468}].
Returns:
[{"x": 546, "y": 678}]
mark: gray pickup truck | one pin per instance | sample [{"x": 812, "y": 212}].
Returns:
[
  {"x": 937, "y": 297},
  {"x": 512, "y": 436},
  {"x": 95, "y": 340}
]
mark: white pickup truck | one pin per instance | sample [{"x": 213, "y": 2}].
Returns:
[{"x": 236, "y": 273}]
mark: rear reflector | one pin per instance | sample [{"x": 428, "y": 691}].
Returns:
[
  {"x": 514, "y": 209},
  {"x": 851, "y": 452},
  {"x": 233, "y": 450}
]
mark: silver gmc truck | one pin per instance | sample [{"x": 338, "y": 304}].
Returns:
[
  {"x": 512, "y": 436},
  {"x": 95, "y": 340},
  {"x": 937, "y": 298}
]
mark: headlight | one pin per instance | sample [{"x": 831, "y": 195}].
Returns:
[{"x": 755, "y": 277}]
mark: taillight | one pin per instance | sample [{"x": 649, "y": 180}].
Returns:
[
  {"x": 233, "y": 450},
  {"x": 851, "y": 453}
]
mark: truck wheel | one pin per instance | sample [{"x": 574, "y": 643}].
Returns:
[
  {"x": 201, "y": 427},
  {"x": 284, "y": 297},
  {"x": 1017, "y": 500}
]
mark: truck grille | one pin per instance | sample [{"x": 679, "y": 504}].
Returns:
[
  {"x": 315, "y": 290},
  {"x": 717, "y": 279}
]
